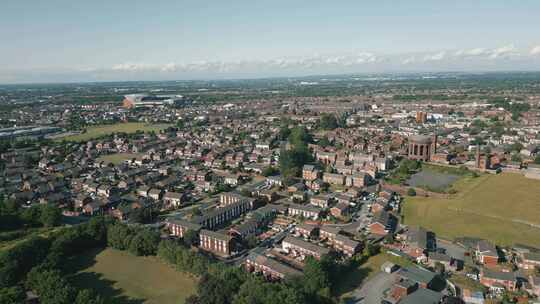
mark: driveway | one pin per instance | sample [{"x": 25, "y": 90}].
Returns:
[{"x": 371, "y": 292}]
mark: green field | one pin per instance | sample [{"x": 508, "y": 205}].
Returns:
[
  {"x": 102, "y": 130},
  {"x": 503, "y": 208},
  {"x": 117, "y": 158},
  {"x": 128, "y": 279}
]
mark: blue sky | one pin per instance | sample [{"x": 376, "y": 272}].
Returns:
[{"x": 60, "y": 40}]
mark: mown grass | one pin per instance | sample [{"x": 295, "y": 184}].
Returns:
[
  {"x": 503, "y": 208},
  {"x": 123, "y": 278},
  {"x": 103, "y": 130},
  {"x": 117, "y": 158}
]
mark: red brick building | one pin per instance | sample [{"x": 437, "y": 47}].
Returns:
[{"x": 215, "y": 242}]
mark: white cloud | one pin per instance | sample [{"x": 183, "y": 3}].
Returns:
[
  {"x": 132, "y": 67},
  {"x": 409, "y": 60},
  {"x": 435, "y": 57},
  {"x": 503, "y": 52},
  {"x": 329, "y": 62},
  {"x": 472, "y": 52},
  {"x": 170, "y": 67}
]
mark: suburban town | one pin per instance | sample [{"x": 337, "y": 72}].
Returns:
[
  {"x": 270, "y": 152},
  {"x": 271, "y": 185}
]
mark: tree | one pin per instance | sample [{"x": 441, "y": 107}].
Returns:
[
  {"x": 411, "y": 192},
  {"x": 269, "y": 171},
  {"x": 141, "y": 216},
  {"x": 119, "y": 236},
  {"x": 328, "y": 122},
  {"x": 324, "y": 142},
  {"x": 251, "y": 241},
  {"x": 284, "y": 132},
  {"x": 191, "y": 237},
  {"x": 50, "y": 216},
  {"x": 210, "y": 291},
  {"x": 87, "y": 296},
  {"x": 371, "y": 250},
  {"x": 31, "y": 216},
  {"x": 193, "y": 299},
  {"x": 12, "y": 295},
  {"x": 316, "y": 281},
  {"x": 257, "y": 291},
  {"x": 196, "y": 211},
  {"x": 17, "y": 261},
  {"x": 50, "y": 286},
  {"x": 145, "y": 242},
  {"x": 389, "y": 238},
  {"x": 291, "y": 161}
]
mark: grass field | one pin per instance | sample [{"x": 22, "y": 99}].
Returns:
[
  {"x": 127, "y": 279},
  {"x": 117, "y": 158},
  {"x": 503, "y": 208},
  {"x": 102, "y": 130}
]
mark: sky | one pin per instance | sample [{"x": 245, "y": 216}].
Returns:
[{"x": 76, "y": 40}]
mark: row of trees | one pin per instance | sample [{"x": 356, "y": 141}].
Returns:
[
  {"x": 291, "y": 160},
  {"x": 221, "y": 284},
  {"x": 138, "y": 241},
  {"x": 12, "y": 216},
  {"x": 38, "y": 264}
]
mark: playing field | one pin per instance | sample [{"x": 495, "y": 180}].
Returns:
[
  {"x": 117, "y": 158},
  {"x": 102, "y": 130},
  {"x": 127, "y": 279},
  {"x": 503, "y": 208}
]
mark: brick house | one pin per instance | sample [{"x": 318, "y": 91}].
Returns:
[
  {"x": 357, "y": 180},
  {"x": 309, "y": 172},
  {"x": 178, "y": 227},
  {"x": 321, "y": 201},
  {"x": 334, "y": 178},
  {"x": 486, "y": 253},
  {"x": 529, "y": 260},
  {"x": 383, "y": 223},
  {"x": 306, "y": 211},
  {"x": 215, "y": 242},
  {"x": 340, "y": 210},
  {"x": 494, "y": 279},
  {"x": 306, "y": 230},
  {"x": 173, "y": 198},
  {"x": 299, "y": 247},
  {"x": 270, "y": 268}
]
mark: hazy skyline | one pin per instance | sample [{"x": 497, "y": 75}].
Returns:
[{"x": 58, "y": 40}]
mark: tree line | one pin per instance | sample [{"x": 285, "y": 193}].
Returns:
[
  {"x": 39, "y": 264},
  {"x": 12, "y": 216}
]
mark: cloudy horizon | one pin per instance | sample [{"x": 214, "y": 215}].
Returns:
[{"x": 82, "y": 42}]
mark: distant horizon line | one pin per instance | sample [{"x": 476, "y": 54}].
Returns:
[{"x": 275, "y": 77}]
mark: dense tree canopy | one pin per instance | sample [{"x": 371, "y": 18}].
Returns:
[{"x": 291, "y": 160}]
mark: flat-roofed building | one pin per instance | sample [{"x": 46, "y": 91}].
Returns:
[
  {"x": 270, "y": 268},
  {"x": 322, "y": 201},
  {"x": 148, "y": 101},
  {"x": 179, "y": 227},
  {"x": 303, "y": 248},
  {"x": 307, "y": 211},
  {"x": 215, "y": 242},
  {"x": 228, "y": 198},
  {"x": 334, "y": 178},
  {"x": 222, "y": 215}
]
